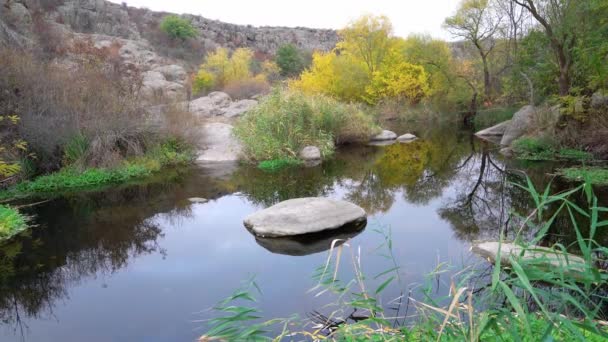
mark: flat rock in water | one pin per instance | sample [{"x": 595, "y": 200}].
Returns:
[
  {"x": 496, "y": 130},
  {"x": 303, "y": 216},
  {"x": 547, "y": 257},
  {"x": 384, "y": 135},
  {"x": 198, "y": 200},
  {"x": 407, "y": 137}
]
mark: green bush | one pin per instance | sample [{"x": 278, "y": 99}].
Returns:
[
  {"x": 286, "y": 121},
  {"x": 593, "y": 175},
  {"x": 289, "y": 60},
  {"x": 177, "y": 28},
  {"x": 278, "y": 164}
]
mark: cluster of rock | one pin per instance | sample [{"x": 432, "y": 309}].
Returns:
[
  {"x": 219, "y": 104},
  {"x": 387, "y": 137}
]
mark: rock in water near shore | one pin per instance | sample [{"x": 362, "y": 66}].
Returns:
[
  {"x": 384, "y": 135},
  {"x": 407, "y": 137},
  {"x": 520, "y": 125},
  {"x": 496, "y": 130},
  {"x": 303, "y": 216},
  {"x": 310, "y": 153},
  {"x": 542, "y": 256},
  {"x": 219, "y": 144}
]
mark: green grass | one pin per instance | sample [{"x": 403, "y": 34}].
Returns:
[
  {"x": 521, "y": 301},
  {"x": 530, "y": 148},
  {"x": 593, "y": 175},
  {"x": 11, "y": 222},
  {"x": 72, "y": 179},
  {"x": 278, "y": 164},
  {"x": 285, "y": 121}
]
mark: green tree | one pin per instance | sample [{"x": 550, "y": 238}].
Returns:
[
  {"x": 475, "y": 22},
  {"x": 290, "y": 60},
  {"x": 177, "y": 28}
]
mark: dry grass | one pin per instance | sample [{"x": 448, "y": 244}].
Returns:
[{"x": 246, "y": 89}]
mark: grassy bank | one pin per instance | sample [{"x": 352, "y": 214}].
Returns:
[
  {"x": 71, "y": 178},
  {"x": 593, "y": 175},
  {"x": 286, "y": 121},
  {"x": 11, "y": 222},
  {"x": 541, "y": 149},
  {"x": 520, "y": 299}
]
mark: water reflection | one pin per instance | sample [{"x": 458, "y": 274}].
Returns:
[
  {"x": 301, "y": 245},
  {"x": 82, "y": 237}
]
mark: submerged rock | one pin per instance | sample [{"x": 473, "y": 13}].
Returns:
[
  {"x": 384, "y": 135},
  {"x": 520, "y": 125},
  {"x": 310, "y": 153},
  {"x": 543, "y": 256},
  {"x": 496, "y": 130},
  {"x": 300, "y": 245},
  {"x": 198, "y": 200},
  {"x": 303, "y": 216},
  {"x": 219, "y": 144},
  {"x": 407, "y": 137}
]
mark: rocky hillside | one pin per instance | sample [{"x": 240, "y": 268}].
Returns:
[
  {"x": 106, "y": 18},
  {"x": 67, "y": 30}
]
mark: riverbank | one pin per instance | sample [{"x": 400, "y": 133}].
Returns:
[{"x": 71, "y": 178}]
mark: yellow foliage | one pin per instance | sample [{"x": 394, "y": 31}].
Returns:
[
  {"x": 223, "y": 68},
  {"x": 203, "y": 81}
]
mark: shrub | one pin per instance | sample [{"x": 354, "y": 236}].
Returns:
[
  {"x": 177, "y": 28},
  {"x": 286, "y": 121},
  {"x": 534, "y": 148},
  {"x": 247, "y": 88},
  {"x": 290, "y": 60}
]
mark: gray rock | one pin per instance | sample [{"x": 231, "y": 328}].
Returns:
[
  {"x": 211, "y": 105},
  {"x": 496, "y": 130},
  {"x": 198, "y": 200},
  {"x": 220, "y": 145},
  {"x": 545, "y": 257},
  {"x": 599, "y": 100},
  {"x": 407, "y": 137},
  {"x": 520, "y": 125},
  {"x": 303, "y": 216},
  {"x": 173, "y": 72},
  {"x": 154, "y": 84},
  {"x": 310, "y": 153},
  {"x": 384, "y": 135},
  {"x": 507, "y": 152},
  {"x": 238, "y": 108}
]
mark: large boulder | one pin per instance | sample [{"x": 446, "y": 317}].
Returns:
[
  {"x": 520, "y": 125},
  {"x": 154, "y": 84},
  {"x": 383, "y": 136},
  {"x": 219, "y": 144},
  {"x": 310, "y": 153},
  {"x": 304, "y": 216},
  {"x": 599, "y": 100}
]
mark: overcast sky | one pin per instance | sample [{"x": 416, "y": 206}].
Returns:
[{"x": 407, "y": 16}]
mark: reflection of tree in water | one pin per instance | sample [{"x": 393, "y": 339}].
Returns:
[{"x": 82, "y": 236}]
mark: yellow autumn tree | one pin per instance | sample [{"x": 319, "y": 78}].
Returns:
[
  {"x": 221, "y": 67},
  {"x": 397, "y": 79}
]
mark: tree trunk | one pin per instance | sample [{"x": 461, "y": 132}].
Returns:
[
  {"x": 564, "y": 80},
  {"x": 487, "y": 82}
]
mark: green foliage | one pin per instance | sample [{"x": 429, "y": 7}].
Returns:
[
  {"x": 75, "y": 149},
  {"x": 70, "y": 178},
  {"x": 593, "y": 175},
  {"x": 530, "y": 148},
  {"x": 290, "y": 60},
  {"x": 11, "y": 222},
  {"x": 278, "y": 164},
  {"x": 177, "y": 28},
  {"x": 284, "y": 122}
]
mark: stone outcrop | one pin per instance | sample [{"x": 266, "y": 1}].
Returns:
[
  {"x": 219, "y": 144},
  {"x": 496, "y": 130},
  {"x": 116, "y": 20},
  {"x": 219, "y": 104},
  {"x": 520, "y": 125},
  {"x": 304, "y": 216}
]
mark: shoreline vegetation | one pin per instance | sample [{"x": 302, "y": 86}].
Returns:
[
  {"x": 520, "y": 299},
  {"x": 12, "y": 222}
]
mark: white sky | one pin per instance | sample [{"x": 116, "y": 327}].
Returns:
[{"x": 407, "y": 16}]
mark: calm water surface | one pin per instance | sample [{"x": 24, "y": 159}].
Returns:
[{"x": 143, "y": 263}]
